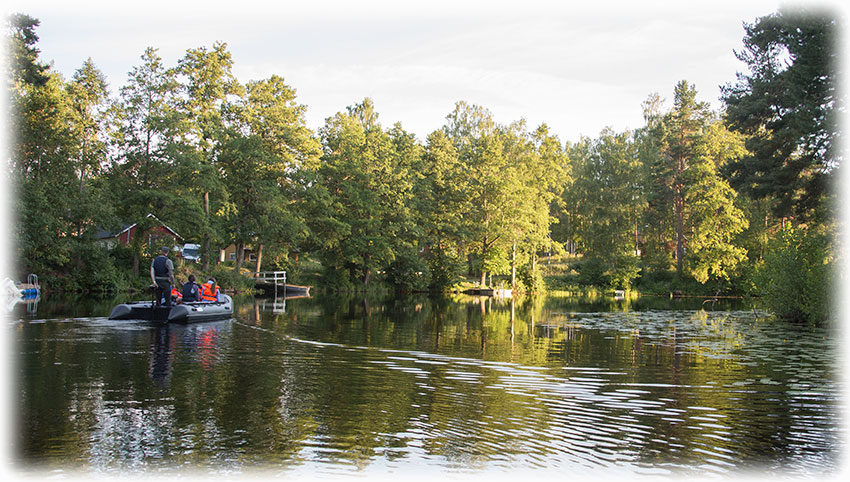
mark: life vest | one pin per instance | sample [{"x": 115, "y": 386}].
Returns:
[
  {"x": 209, "y": 292},
  {"x": 160, "y": 267},
  {"x": 175, "y": 295}
]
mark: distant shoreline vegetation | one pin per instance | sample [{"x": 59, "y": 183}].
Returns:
[{"x": 734, "y": 203}]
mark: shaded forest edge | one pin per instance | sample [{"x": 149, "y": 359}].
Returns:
[{"x": 732, "y": 203}]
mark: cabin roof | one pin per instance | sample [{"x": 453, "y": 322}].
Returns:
[{"x": 104, "y": 234}]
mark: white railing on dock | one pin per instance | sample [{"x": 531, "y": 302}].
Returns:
[{"x": 272, "y": 277}]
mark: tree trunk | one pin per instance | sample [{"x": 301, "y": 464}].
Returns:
[
  {"x": 240, "y": 255},
  {"x": 135, "y": 264},
  {"x": 259, "y": 258},
  {"x": 484, "y": 247},
  {"x": 206, "y": 253},
  {"x": 80, "y": 221},
  {"x": 680, "y": 227},
  {"x": 367, "y": 273},
  {"x": 136, "y": 245},
  {"x": 513, "y": 267}
]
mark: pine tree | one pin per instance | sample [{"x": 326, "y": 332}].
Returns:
[{"x": 788, "y": 105}]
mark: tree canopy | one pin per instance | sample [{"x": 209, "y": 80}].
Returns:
[
  {"x": 788, "y": 106},
  {"x": 694, "y": 195}
]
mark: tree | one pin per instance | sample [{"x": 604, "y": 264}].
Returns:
[
  {"x": 439, "y": 205},
  {"x": 684, "y": 125},
  {"x": 475, "y": 137},
  {"x": 549, "y": 147},
  {"x": 268, "y": 144},
  {"x": 152, "y": 169},
  {"x": 714, "y": 219},
  {"x": 508, "y": 179},
  {"x": 552, "y": 173},
  {"x": 606, "y": 205},
  {"x": 788, "y": 105},
  {"x": 688, "y": 201},
  {"x": 207, "y": 82},
  {"x": 534, "y": 180},
  {"x": 43, "y": 174},
  {"x": 798, "y": 275},
  {"x": 41, "y": 166},
  {"x": 56, "y": 159},
  {"x": 658, "y": 227},
  {"x": 366, "y": 187},
  {"x": 24, "y": 66},
  {"x": 89, "y": 99}
]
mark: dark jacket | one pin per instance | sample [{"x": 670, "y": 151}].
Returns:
[{"x": 191, "y": 292}]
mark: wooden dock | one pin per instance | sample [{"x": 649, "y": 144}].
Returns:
[
  {"x": 275, "y": 281},
  {"x": 276, "y": 305},
  {"x": 493, "y": 292}
]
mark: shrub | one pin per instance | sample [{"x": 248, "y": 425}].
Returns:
[
  {"x": 623, "y": 272},
  {"x": 656, "y": 280},
  {"x": 446, "y": 269},
  {"x": 529, "y": 280},
  {"x": 796, "y": 279},
  {"x": 619, "y": 272},
  {"x": 591, "y": 272},
  {"x": 336, "y": 279},
  {"x": 409, "y": 272},
  {"x": 229, "y": 279},
  {"x": 96, "y": 273}
]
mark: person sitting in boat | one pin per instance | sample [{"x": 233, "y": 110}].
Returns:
[
  {"x": 209, "y": 291},
  {"x": 176, "y": 296},
  {"x": 191, "y": 291}
]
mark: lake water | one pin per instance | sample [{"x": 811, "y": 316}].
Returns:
[{"x": 342, "y": 384}]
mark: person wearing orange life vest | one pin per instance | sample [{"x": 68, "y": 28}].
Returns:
[
  {"x": 209, "y": 291},
  {"x": 176, "y": 296}
]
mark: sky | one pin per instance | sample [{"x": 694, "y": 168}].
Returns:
[{"x": 577, "y": 66}]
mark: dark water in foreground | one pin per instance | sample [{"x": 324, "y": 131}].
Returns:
[{"x": 345, "y": 385}]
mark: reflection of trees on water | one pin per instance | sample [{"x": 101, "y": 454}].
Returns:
[
  {"x": 468, "y": 382},
  {"x": 686, "y": 361},
  {"x": 531, "y": 330}
]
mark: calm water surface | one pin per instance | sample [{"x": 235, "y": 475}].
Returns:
[{"x": 345, "y": 385}]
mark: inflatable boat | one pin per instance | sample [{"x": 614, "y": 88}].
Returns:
[{"x": 191, "y": 312}]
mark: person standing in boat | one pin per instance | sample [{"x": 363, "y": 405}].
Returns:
[
  {"x": 209, "y": 291},
  {"x": 162, "y": 276},
  {"x": 191, "y": 291}
]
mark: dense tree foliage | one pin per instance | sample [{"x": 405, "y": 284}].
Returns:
[
  {"x": 365, "y": 172},
  {"x": 151, "y": 167},
  {"x": 267, "y": 138},
  {"x": 693, "y": 197},
  {"x": 788, "y": 104},
  {"x": 685, "y": 149},
  {"x": 788, "y": 107},
  {"x": 24, "y": 66}
]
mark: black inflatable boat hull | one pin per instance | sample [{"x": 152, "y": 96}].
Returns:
[{"x": 182, "y": 313}]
